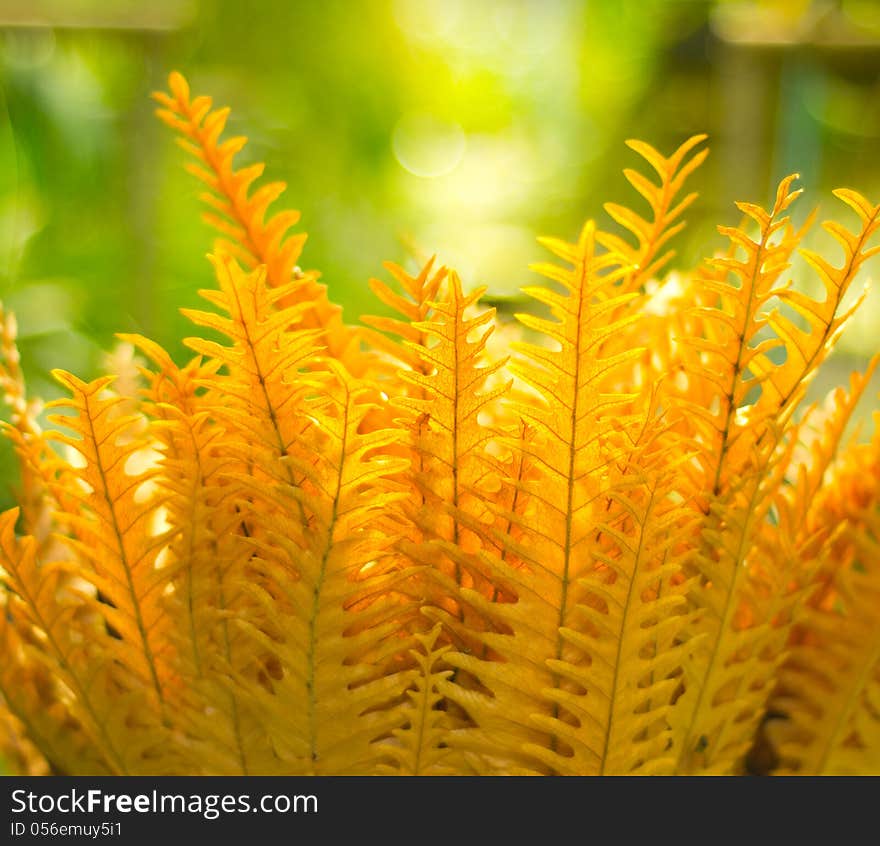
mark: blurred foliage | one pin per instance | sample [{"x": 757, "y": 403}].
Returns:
[{"x": 400, "y": 125}]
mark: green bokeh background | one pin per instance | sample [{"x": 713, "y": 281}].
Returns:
[{"x": 451, "y": 126}]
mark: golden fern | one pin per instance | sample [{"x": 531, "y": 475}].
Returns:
[
  {"x": 393, "y": 549},
  {"x": 744, "y": 456}
]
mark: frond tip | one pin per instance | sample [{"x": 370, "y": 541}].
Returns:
[
  {"x": 647, "y": 258},
  {"x": 238, "y": 209}
]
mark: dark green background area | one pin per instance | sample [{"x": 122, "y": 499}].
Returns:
[{"x": 530, "y": 102}]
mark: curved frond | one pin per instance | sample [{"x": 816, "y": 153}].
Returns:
[{"x": 238, "y": 211}]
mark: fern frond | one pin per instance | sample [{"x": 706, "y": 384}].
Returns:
[
  {"x": 819, "y": 437},
  {"x": 26, "y": 436},
  {"x": 419, "y": 746},
  {"x": 255, "y": 412},
  {"x": 192, "y": 459},
  {"x": 446, "y": 395},
  {"x": 805, "y": 349},
  {"x": 722, "y": 365},
  {"x": 793, "y": 549},
  {"x": 570, "y": 379},
  {"x": 414, "y": 306},
  {"x": 242, "y": 211},
  {"x": 637, "y": 603},
  {"x": 239, "y": 213},
  {"x": 544, "y": 569},
  {"x": 111, "y": 518},
  {"x": 645, "y": 258},
  {"x": 623, "y": 646},
  {"x": 328, "y": 704},
  {"x": 36, "y": 714},
  {"x": 742, "y": 415},
  {"x": 257, "y": 402},
  {"x": 202, "y": 518}
]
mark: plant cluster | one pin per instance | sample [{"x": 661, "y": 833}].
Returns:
[{"x": 611, "y": 541}]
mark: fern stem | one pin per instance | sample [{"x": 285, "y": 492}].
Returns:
[
  {"x": 455, "y": 434},
  {"x": 319, "y": 584},
  {"x": 606, "y": 745},
  {"x": 721, "y": 630},
  {"x": 423, "y": 720},
  {"x": 572, "y": 452},
  {"x": 737, "y": 367},
  {"x": 270, "y": 408},
  {"x": 198, "y": 484}
]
